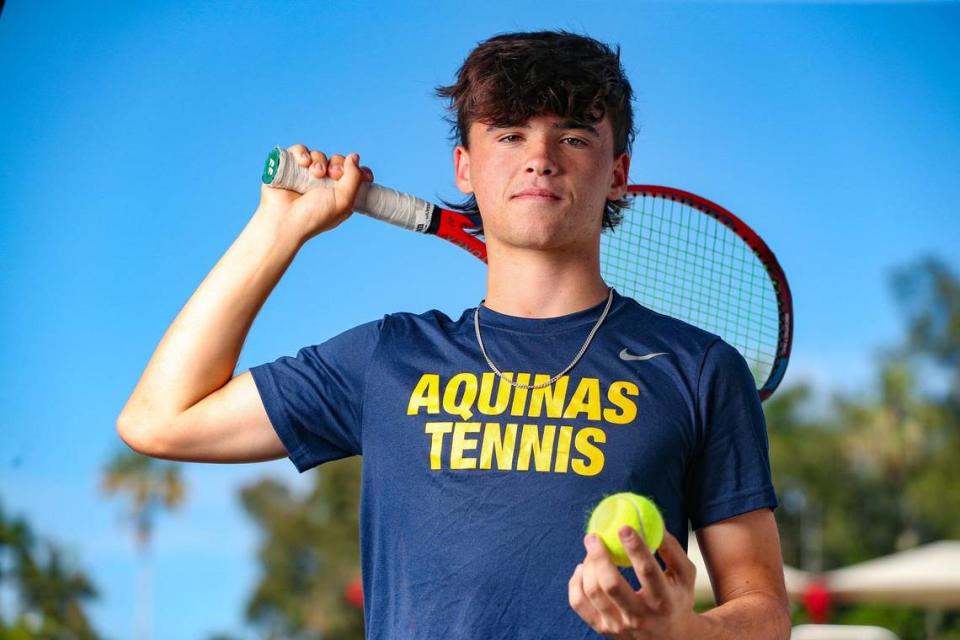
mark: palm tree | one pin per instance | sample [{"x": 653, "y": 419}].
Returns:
[
  {"x": 48, "y": 591},
  {"x": 891, "y": 439},
  {"x": 16, "y": 540},
  {"x": 51, "y": 587},
  {"x": 149, "y": 486}
]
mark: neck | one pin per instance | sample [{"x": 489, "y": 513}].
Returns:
[{"x": 542, "y": 284}]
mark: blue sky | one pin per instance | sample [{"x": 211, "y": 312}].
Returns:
[{"x": 137, "y": 133}]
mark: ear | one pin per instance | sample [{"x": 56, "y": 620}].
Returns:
[
  {"x": 461, "y": 168},
  {"x": 621, "y": 172}
]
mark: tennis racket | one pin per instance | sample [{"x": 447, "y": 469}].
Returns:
[{"x": 674, "y": 252}]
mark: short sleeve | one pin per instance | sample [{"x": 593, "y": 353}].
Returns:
[
  {"x": 315, "y": 400},
  {"x": 729, "y": 473}
]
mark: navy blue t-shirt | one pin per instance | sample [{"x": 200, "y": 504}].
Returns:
[{"x": 475, "y": 494}]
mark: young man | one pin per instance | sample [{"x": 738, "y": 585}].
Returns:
[{"x": 476, "y": 484}]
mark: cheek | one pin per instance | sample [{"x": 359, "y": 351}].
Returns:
[
  {"x": 485, "y": 203},
  {"x": 602, "y": 179},
  {"x": 489, "y": 171},
  {"x": 489, "y": 186}
]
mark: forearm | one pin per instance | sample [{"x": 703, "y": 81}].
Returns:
[
  {"x": 199, "y": 351},
  {"x": 757, "y": 615}
]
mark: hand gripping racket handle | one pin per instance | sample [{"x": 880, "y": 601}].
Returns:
[
  {"x": 397, "y": 208},
  {"x": 401, "y": 209}
]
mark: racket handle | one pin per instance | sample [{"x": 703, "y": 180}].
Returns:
[{"x": 402, "y": 209}]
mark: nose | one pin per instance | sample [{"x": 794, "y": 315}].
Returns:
[{"x": 541, "y": 157}]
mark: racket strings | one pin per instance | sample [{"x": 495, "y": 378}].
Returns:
[{"x": 676, "y": 260}]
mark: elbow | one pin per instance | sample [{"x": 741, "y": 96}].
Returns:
[
  {"x": 787, "y": 632},
  {"x": 784, "y": 621},
  {"x": 136, "y": 436},
  {"x": 778, "y": 614},
  {"x": 773, "y": 615}
]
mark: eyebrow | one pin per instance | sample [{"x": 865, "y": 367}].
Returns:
[{"x": 566, "y": 124}]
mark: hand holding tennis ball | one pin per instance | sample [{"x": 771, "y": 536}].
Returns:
[{"x": 619, "y": 509}]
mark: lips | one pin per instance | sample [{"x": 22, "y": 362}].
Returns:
[{"x": 534, "y": 192}]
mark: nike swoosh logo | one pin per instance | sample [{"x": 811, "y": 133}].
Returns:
[{"x": 626, "y": 355}]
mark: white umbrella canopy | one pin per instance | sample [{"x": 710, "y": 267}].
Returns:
[
  {"x": 928, "y": 576},
  {"x": 840, "y": 632},
  {"x": 795, "y": 579}
]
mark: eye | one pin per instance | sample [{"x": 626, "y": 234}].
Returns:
[
  {"x": 575, "y": 142},
  {"x": 510, "y": 137}
]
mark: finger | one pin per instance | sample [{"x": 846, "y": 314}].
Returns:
[
  {"x": 676, "y": 560},
  {"x": 300, "y": 153},
  {"x": 653, "y": 584},
  {"x": 348, "y": 184},
  {"x": 603, "y": 583},
  {"x": 335, "y": 166},
  {"x": 319, "y": 163},
  {"x": 367, "y": 173},
  {"x": 579, "y": 601}
]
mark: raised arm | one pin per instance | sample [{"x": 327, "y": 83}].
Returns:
[{"x": 187, "y": 405}]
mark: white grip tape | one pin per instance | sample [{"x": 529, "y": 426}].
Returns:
[{"x": 401, "y": 209}]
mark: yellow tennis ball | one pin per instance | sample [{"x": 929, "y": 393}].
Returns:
[{"x": 621, "y": 509}]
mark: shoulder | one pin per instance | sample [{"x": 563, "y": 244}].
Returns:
[
  {"x": 672, "y": 332},
  {"x": 726, "y": 369},
  {"x": 432, "y": 325},
  {"x": 432, "y": 319}
]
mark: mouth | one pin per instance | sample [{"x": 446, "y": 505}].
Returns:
[{"x": 535, "y": 193}]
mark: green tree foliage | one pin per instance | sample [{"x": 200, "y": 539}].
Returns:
[
  {"x": 149, "y": 486},
  {"x": 929, "y": 294},
  {"x": 878, "y": 472},
  {"x": 49, "y": 592},
  {"x": 309, "y": 554}
]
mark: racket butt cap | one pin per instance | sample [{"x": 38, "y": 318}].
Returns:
[{"x": 271, "y": 166}]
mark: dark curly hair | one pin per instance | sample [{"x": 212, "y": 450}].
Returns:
[{"x": 513, "y": 77}]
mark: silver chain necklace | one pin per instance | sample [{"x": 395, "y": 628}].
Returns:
[{"x": 576, "y": 358}]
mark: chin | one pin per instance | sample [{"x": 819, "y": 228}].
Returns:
[
  {"x": 537, "y": 237},
  {"x": 539, "y": 229}
]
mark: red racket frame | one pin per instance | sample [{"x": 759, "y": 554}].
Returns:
[{"x": 763, "y": 253}]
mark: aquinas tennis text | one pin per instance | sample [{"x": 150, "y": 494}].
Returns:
[{"x": 467, "y": 443}]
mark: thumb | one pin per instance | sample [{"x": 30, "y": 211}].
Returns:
[{"x": 348, "y": 184}]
